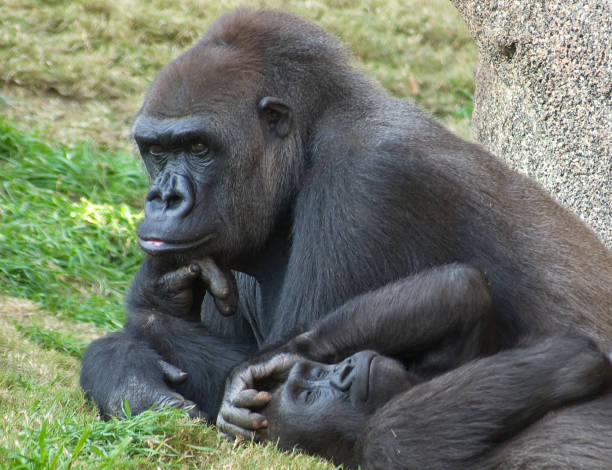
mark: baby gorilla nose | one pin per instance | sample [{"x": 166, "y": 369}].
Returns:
[{"x": 343, "y": 374}]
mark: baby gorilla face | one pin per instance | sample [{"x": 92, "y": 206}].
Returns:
[{"x": 323, "y": 407}]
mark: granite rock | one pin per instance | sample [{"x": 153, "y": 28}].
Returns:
[{"x": 543, "y": 99}]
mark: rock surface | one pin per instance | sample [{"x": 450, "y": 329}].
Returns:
[{"x": 543, "y": 98}]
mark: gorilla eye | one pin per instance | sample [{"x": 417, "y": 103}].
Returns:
[
  {"x": 308, "y": 397},
  {"x": 199, "y": 148},
  {"x": 318, "y": 372},
  {"x": 156, "y": 150}
]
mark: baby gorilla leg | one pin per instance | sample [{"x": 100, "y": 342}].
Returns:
[{"x": 453, "y": 419}]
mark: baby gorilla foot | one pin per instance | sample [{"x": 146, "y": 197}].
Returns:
[{"x": 583, "y": 368}]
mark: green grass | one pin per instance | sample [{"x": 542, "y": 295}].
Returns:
[
  {"x": 47, "y": 424},
  {"x": 49, "y": 339},
  {"x": 68, "y": 218},
  {"x": 72, "y": 75}
]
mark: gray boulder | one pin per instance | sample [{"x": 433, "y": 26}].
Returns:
[{"x": 543, "y": 98}]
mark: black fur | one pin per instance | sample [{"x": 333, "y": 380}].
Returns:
[
  {"x": 327, "y": 191},
  {"x": 478, "y": 415},
  {"x": 435, "y": 322}
]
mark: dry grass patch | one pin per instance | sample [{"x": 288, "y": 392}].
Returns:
[
  {"x": 47, "y": 423},
  {"x": 79, "y": 69}
]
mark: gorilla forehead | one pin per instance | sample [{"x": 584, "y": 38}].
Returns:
[
  {"x": 204, "y": 79},
  {"x": 243, "y": 56},
  {"x": 268, "y": 32}
]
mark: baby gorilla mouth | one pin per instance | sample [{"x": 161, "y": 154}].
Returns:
[
  {"x": 353, "y": 376},
  {"x": 363, "y": 375}
]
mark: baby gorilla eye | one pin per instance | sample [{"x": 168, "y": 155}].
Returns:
[
  {"x": 198, "y": 148},
  {"x": 309, "y": 396},
  {"x": 318, "y": 372}
]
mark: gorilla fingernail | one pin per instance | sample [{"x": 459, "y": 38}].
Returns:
[
  {"x": 225, "y": 307},
  {"x": 193, "y": 268}
]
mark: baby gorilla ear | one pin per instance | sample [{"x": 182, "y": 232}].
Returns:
[{"x": 276, "y": 115}]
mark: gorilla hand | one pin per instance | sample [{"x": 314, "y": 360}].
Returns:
[
  {"x": 148, "y": 385},
  {"x": 236, "y": 417},
  {"x": 161, "y": 286},
  {"x": 221, "y": 284},
  {"x": 165, "y": 397}
]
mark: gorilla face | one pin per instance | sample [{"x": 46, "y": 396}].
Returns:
[
  {"x": 323, "y": 407},
  {"x": 221, "y": 155}
]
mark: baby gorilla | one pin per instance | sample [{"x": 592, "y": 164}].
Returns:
[
  {"x": 323, "y": 407},
  {"x": 370, "y": 411}
]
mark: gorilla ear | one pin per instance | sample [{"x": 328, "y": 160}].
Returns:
[{"x": 276, "y": 115}]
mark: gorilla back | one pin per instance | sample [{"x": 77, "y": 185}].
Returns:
[
  {"x": 269, "y": 153},
  {"x": 265, "y": 136}
]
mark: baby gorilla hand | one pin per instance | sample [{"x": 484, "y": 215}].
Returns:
[{"x": 236, "y": 417}]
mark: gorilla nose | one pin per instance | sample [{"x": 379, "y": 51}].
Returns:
[
  {"x": 343, "y": 374},
  {"x": 170, "y": 195}
]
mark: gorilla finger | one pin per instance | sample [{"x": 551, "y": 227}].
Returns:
[
  {"x": 278, "y": 365},
  {"x": 178, "y": 401},
  {"x": 243, "y": 418},
  {"x": 221, "y": 284},
  {"x": 230, "y": 431},
  {"x": 242, "y": 380},
  {"x": 215, "y": 279},
  {"x": 226, "y": 307},
  {"x": 180, "y": 279},
  {"x": 172, "y": 373},
  {"x": 230, "y": 304},
  {"x": 192, "y": 409},
  {"x": 251, "y": 398}
]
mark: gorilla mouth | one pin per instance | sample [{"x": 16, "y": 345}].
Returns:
[
  {"x": 154, "y": 246},
  {"x": 368, "y": 374},
  {"x": 363, "y": 377}
]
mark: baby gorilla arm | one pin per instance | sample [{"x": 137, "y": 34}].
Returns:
[
  {"x": 455, "y": 419},
  {"x": 440, "y": 318}
]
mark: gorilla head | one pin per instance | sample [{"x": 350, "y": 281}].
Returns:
[
  {"x": 222, "y": 134},
  {"x": 323, "y": 407}
]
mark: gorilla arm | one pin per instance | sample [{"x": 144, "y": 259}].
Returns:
[
  {"x": 164, "y": 355},
  {"x": 436, "y": 319},
  {"x": 145, "y": 363}
]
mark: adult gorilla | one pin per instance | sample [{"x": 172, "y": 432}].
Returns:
[{"x": 269, "y": 154}]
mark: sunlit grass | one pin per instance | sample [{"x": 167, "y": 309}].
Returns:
[{"x": 68, "y": 221}]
